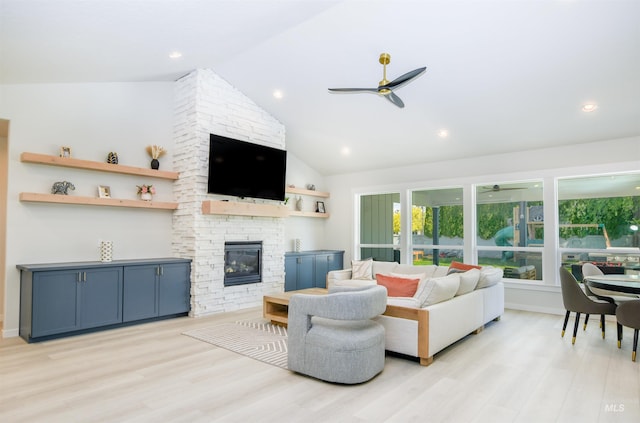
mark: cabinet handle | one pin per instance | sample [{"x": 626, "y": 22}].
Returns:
[
  {"x": 298, "y": 260},
  {"x": 79, "y": 277},
  {"x": 84, "y": 276},
  {"x": 161, "y": 271}
]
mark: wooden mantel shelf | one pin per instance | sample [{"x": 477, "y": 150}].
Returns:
[
  {"x": 95, "y": 201},
  {"x": 92, "y": 165},
  {"x": 235, "y": 208}
]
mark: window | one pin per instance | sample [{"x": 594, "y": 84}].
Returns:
[
  {"x": 598, "y": 222},
  {"x": 380, "y": 227},
  {"x": 437, "y": 226},
  {"x": 510, "y": 224}
]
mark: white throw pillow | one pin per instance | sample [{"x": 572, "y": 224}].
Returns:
[
  {"x": 435, "y": 290},
  {"x": 468, "y": 281},
  {"x": 489, "y": 276},
  {"x": 362, "y": 269}
]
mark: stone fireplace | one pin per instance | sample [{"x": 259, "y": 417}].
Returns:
[{"x": 205, "y": 104}]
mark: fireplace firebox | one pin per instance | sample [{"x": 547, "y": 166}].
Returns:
[{"x": 242, "y": 262}]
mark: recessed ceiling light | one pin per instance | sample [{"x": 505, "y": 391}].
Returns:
[
  {"x": 443, "y": 133},
  {"x": 589, "y": 107},
  {"x": 345, "y": 151},
  {"x": 175, "y": 55},
  {"x": 278, "y": 94}
]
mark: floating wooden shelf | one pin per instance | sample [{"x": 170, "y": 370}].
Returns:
[
  {"x": 235, "y": 208},
  {"x": 301, "y": 191},
  {"x": 95, "y": 201},
  {"x": 99, "y": 166},
  {"x": 307, "y": 214}
]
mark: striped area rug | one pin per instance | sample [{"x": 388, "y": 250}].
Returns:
[{"x": 257, "y": 339}]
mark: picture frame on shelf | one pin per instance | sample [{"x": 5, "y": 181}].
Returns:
[
  {"x": 65, "y": 151},
  {"x": 104, "y": 191},
  {"x": 320, "y": 207}
]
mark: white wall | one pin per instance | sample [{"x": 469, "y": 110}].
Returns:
[{"x": 598, "y": 157}]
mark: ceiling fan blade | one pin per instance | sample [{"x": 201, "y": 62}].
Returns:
[
  {"x": 392, "y": 97},
  {"x": 404, "y": 79},
  {"x": 354, "y": 90}
]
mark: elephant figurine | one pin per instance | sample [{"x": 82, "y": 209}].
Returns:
[{"x": 62, "y": 188}]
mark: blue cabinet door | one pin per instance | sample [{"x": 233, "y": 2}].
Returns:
[
  {"x": 290, "y": 273},
  {"x": 305, "y": 272},
  {"x": 100, "y": 297},
  {"x": 299, "y": 271},
  {"x": 324, "y": 264},
  {"x": 174, "y": 289},
  {"x": 140, "y": 298},
  {"x": 55, "y": 302}
]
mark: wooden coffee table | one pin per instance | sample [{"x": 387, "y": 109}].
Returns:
[{"x": 275, "y": 307}]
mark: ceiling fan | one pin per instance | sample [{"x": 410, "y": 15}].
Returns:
[
  {"x": 385, "y": 88},
  {"x": 498, "y": 188}
]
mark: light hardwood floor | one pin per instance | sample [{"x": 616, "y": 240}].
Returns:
[{"x": 517, "y": 370}]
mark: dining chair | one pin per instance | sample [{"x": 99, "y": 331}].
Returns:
[
  {"x": 628, "y": 314},
  {"x": 576, "y": 300}
]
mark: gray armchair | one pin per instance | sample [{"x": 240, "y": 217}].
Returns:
[{"x": 332, "y": 337}]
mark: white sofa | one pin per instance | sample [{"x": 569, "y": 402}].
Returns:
[{"x": 426, "y": 323}]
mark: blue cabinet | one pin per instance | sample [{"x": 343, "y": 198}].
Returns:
[
  {"x": 308, "y": 269},
  {"x": 65, "y": 301},
  {"x": 155, "y": 290},
  {"x": 67, "y": 298}
]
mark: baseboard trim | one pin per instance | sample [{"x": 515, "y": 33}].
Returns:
[{"x": 10, "y": 333}]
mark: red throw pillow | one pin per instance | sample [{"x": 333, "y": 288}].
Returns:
[
  {"x": 462, "y": 266},
  {"x": 398, "y": 287}
]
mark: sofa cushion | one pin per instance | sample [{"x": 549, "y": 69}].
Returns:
[
  {"x": 398, "y": 286},
  {"x": 489, "y": 276},
  {"x": 468, "y": 281},
  {"x": 435, "y": 290},
  {"x": 362, "y": 269},
  {"x": 456, "y": 266}
]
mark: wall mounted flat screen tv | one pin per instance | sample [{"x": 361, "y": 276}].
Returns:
[{"x": 243, "y": 169}]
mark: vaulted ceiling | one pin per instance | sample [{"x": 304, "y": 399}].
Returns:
[{"x": 502, "y": 75}]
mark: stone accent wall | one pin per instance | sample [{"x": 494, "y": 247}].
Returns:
[{"x": 205, "y": 104}]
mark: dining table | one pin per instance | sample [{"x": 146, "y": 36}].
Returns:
[{"x": 627, "y": 283}]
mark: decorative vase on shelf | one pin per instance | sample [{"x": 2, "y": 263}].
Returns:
[
  {"x": 106, "y": 251},
  {"x": 299, "y": 204},
  {"x": 146, "y": 196},
  {"x": 155, "y": 164}
]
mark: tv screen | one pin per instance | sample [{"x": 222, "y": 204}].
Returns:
[{"x": 244, "y": 169}]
